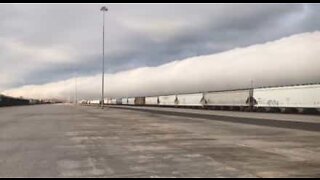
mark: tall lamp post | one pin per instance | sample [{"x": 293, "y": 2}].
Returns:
[{"x": 103, "y": 9}]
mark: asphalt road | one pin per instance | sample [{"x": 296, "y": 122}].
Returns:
[{"x": 69, "y": 141}]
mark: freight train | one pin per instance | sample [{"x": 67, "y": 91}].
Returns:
[
  {"x": 10, "y": 101},
  {"x": 297, "y": 98}
]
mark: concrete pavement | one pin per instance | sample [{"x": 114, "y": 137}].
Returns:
[{"x": 69, "y": 141}]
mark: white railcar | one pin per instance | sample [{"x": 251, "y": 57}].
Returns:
[
  {"x": 302, "y": 96},
  {"x": 170, "y": 100},
  {"x": 107, "y": 101},
  {"x": 238, "y": 98},
  {"x": 113, "y": 101},
  {"x": 124, "y": 101},
  {"x": 94, "y": 101},
  {"x": 195, "y": 99},
  {"x": 131, "y": 101},
  {"x": 152, "y": 100}
]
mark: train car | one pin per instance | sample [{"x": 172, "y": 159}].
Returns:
[
  {"x": 118, "y": 101},
  {"x": 169, "y": 100},
  {"x": 79, "y": 102},
  {"x": 139, "y": 101},
  {"x": 131, "y": 101},
  {"x": 1, "y": 100},
  {"x": 107, "y": 101},
  {"x": 113, "y": 101},
  {"x": 94, "y": 102},
  {"x": 235, "y": 99},
  {"x": 10, "y": 101},
  {"x": 110, "y": 101},
  {"x": 124, "y": 101},
  {"x": 190, "y": 100},
  {"x": 152, "y": 101},
  {"x": 298, "y": 98},
  {"x": 35, "y": 101}
]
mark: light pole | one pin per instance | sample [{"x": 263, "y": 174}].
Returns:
[
  {"x": 76, "y": 88},
  {"x": 103, "y": 9}
]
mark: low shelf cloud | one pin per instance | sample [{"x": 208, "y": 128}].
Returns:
[
  {"x": 154, "y": 49},
  {"x": 287, "y": 61}
]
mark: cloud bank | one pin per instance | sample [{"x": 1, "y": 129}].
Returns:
[
  {"x": 44, "y": 43},
  {"x": 287, "y": 61}
]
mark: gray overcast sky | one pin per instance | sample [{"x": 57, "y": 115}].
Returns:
[{"x": 41, "y": 43}]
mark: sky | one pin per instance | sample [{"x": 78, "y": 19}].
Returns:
[{"x": 45, "y": 44}]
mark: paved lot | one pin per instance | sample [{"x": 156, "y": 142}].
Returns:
[{"x": 69, "y": 141}]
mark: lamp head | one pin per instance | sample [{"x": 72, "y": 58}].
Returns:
[{"x": 104, "y": 8}]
